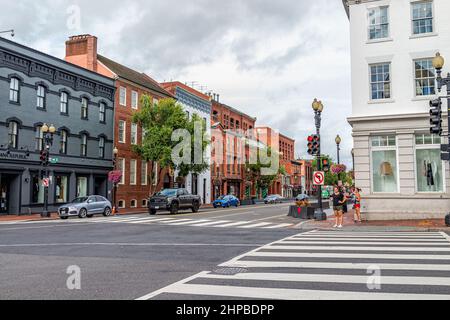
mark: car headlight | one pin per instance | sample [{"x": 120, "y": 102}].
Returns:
[{"x": 73, "y": 209}]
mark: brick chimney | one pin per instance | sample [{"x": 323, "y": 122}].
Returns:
[{"x": 82, "y": 50}]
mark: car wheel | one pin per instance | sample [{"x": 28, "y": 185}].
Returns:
[
  {"x": 82, "y": 214},
  {"x": 174, "y": 208},
  {"x": 152, "y": 212},
  {"x": 196, "y": 207},
  {"x": 215, "y": 207},
  {"x": 107, "y": 212},
  {"x": 64, "y": 218}
]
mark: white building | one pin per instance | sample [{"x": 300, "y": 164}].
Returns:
[
  {"x": 195, "y": 102},
  {"x": 397, "y": 161}
]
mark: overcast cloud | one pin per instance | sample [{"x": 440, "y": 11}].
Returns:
[{"x": 267, "y": 58}]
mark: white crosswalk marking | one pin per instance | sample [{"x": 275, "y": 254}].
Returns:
[{"x": 328, "y": 265}]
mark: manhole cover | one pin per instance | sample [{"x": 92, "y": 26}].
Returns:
[{"x": 230, "y": 271}]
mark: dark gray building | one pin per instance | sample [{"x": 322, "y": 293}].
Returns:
[{"x": 38, "y": 89}]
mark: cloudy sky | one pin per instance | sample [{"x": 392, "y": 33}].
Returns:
[{"x": 267, "y": 58}]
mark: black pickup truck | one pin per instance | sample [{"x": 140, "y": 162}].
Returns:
[{"x": 173, "y": 200}]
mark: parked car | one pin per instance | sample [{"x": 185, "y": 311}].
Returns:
[
  {"x": 173, "y": 200},
  {"x": 86, "y": 207},
  {"x": 274, "y": 198},
  {"x": 226, "y": 202}
]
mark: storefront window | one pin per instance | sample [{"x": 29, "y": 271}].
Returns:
[
  {"x": 37, "y": 193},
  {"x": 430, "y": 176},
  {"x": 82, "y": 187},
  {"x": 61, "y": 189},
  {"x": 384, "y": 164}
]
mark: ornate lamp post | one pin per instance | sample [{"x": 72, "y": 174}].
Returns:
[
  {"x": 338, "y": 141},
  {"x": 48, "y": 133},
  {"x": 438, "y": 64},
  {"x": 317, "y": 106}
]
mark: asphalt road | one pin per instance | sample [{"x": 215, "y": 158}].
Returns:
[{"x": 128, "y": 257}]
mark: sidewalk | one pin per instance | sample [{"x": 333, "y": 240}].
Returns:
[{"x": 391, "y": 225}]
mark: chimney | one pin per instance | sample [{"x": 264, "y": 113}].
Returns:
[{"x": 82, "y": 50}]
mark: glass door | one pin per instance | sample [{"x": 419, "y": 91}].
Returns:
[{"x": 4, "y": 195}]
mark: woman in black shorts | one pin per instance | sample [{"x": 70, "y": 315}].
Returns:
[{"x": 338, "y": 206}]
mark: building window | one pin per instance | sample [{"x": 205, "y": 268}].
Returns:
[
  {"x": 39, "y": 137},
  {"x": 188, "y": 115},
  {"x": 64, "y": 103},
  {"x": 123, "y": 96},
  {"x": 102, "y": 113},
  {"x": 380, "y": 81},
  {"x": 122, "y": 204},
  {"x": 121, "y": 167},
  {"x": 422, "y": 17},
  {"x": 84, "y": 140},
  {"x": 61, "y": 189},
  {"x": 378, "y": 23},
  {"x": 144, "y": 132},
  {"x": 41, "y": 97},
  {"x": 63, "y": 142},
  {"x": 430, "y": 171},
  {"x": 14, "y": 90},
  {"x": 133, "y": 172},
  {"x": 155, "y": 174},
  {"x": 134, "y": 133},
  {"x": 13, "y": 134},
  {"x": 425, "y": 77},
  {"x": 122, "y": 131},
  {"x": 133, "y": 203},
  {"x": 37, "y": 190},
  {"x": 82, "y": 187},
  {"x": 144, "y": 172},
  {"x": 144, "y": 203},
  {"x": 384, "y": 164},
  {"x": 134, "y": 100},
  {"x": 84, "y": 108},
  {"x": 101, "y": 147},
  {"x": 155, "y": 101}
]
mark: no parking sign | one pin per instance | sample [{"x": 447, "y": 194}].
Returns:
[{"x": 319, "y": 178}]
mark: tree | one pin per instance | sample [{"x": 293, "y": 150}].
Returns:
[
  {"x": 158, "y": 121},
  {"x": 332, "y": 179}
]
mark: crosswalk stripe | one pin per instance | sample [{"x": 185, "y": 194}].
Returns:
[
  {"x": 332, "y": 265},
  {"x": 312, "y": 236},
  {"x": 151, "y": 220},
  {"x": 188, "y": 222},
  {"x": 233, "y": 224},
  {"x": 257, "y": 225},
  {"x": 210, "y": 223},
  {"x": 294, "y": 294},
  {"x": 339, "y": 233},
  {"x": 278, "y": 226},
  {"x": 349, "y": 255},
  {"x": 349, "y": 248},
  {"x": 420, "y": 244},
  {"x": 395, "y": 240},
  {"x": 325, "y": 278},
  {"x": 175, "y": 221}
]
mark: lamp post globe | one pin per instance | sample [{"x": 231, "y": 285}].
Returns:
[
  {"x": 438, "y": 61},
  {"x": 45, "y": 128},
  {"x": 338, "y": 140}
]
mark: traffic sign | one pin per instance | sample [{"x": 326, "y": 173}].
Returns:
[
  {"x": 319, "y": 178},
  {"x": 54, "y": 160},
  {"x": 45, "y": 182}
]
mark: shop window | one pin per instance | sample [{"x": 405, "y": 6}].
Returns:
[
  {"x": 82, "y": 187},
  {"x": 429, "y": 167},
  {"x": 37, "y": 191},
  {"x": 61, "y": 189},
  {"x": 384, "y": 165}
]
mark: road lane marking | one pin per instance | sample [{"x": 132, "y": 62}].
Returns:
[
  {"x": 419, "y": 244},
  {"x": 233, "y": 224},
  {"x": 349, "y": 255},
  {"x": 210, "y": 223},
  {"x": 349, "y": 248},
  {"x": 175, "y": 221},
  {"x": 279, "y": 226},
  {"x": 388, "y": 240},
  {"x": 257, "y": 225},
  {"x": 188, "y": 222},
  {"x": 151, "y": 220}
]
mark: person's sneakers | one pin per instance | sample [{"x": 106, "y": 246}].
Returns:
[
  {"x": 340, "y": 227},
  {"x": 335, "y": 226}
]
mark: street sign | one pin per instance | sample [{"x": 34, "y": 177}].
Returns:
[
  {"x": 319, "y": 178},
  {"x": 45, "y": 182},
  {"x": 54, "y": 160}
]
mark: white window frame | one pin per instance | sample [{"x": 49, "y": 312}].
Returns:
[
  {"x": 415, "y": 80},
  {"x": 123, "y": 96},
  {"x": 145, "y": 201},
  {"x": 390, "y": 82},
  {"x": 84, "y": 145},
  {"x": 123, "y": 204},
  {"x": 63, "y": 142},
  {"x": 101, "y": 147},
  {"x": 14, "y": 90},
  {"x": 135, "y": 204},
  {"x": 64, "y": 103},
  {"x": 370, "y": 25},
  {"x": 155, "y": 173},
  {"x": 84, "y": 108},
  {"x": 144, "y": 172},
  {"x": 387, "y": 148},
  {"x": 102, "y": 112},
  {"x": 122, "y": 167},
  {"x": 124, "y": 136},
  {"x": 39, "y": 139},
  {"x": 41, "y": 97},
  {"x": 433, "y": 17},
  {"x": 133, "y": 173},
  {"x": 134, "y": 134},
  {"x": 134, "y": 100},
  {"x": 416, "y": 169}
]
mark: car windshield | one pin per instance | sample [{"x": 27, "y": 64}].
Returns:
[
  {"x": 221, "y": 198},
  {"x": 80, "y": 200},
  {"x": 167, "y": 193}
]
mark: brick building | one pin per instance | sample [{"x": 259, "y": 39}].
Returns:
[
  {"x": 135, "y": 187},
  {"x": 230, "y": 129},
  {"x": 306, "y": 176}
]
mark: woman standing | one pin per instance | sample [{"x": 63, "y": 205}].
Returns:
[
  {"x": 358, "y": 205},
  {"x": 338, "y": 206}
]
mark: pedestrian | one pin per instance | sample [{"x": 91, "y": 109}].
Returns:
[
  {"x": 338, "y": 206},
  {"x": 357, "y": 205}
]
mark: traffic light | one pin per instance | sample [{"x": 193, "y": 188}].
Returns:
[
  {"x": 314, "y": 145},
  {"x": 436, "y": 117},
  {"x": 44, "y": 158},
  {"x": 325, "y": 165},
  {"x": 310, "y": 145}
]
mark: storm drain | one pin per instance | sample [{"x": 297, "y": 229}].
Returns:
[{"x": 229, "y": 271}]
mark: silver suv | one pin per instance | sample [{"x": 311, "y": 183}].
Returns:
[{"x": 86, "y": 207}]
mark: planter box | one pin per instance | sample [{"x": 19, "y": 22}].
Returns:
[{"x": 304, "y": 213}]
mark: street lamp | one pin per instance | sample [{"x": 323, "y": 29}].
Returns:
[
  {"x": 48, "y": 132},
  {"x": 338, "y": 144},
  {"x": 317, "y": 106},
  {"x": 115, "y": 154}
]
